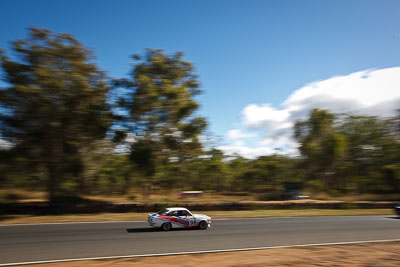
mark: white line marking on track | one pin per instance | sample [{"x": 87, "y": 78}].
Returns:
[{"x": 199, "y": 252}]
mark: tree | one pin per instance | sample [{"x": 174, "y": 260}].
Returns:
[
  {"x": 161, "y": 112},
  {"x": 348, "y": 153},
  {"x": 321, "y": 146},
  {"x": 266, "y": 174},
  {"x": 373, "y": 154},
  {"x": 214, "y": 172},
  {"x": 114, "y": 176},
  {"x": 54, "y": 105}
]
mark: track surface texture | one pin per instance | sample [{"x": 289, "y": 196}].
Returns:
[{"x": 27, "y": 243}]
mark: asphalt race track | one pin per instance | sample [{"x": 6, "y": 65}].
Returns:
[{"x": 27, "y": 243}]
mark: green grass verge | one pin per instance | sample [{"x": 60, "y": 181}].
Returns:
[{"x": 138, "y": 216}]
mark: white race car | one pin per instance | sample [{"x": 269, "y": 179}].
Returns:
[{"x": 178, "y": 218}]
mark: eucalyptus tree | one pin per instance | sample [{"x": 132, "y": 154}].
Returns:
[
  {"x": 322, "y": 147},
  {"x": 373, "y": 159},
  {"x": 161, "y": 113},
  {"x": 53, "y": 106}
]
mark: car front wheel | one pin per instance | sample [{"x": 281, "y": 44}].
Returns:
[{"x": 203, "y": 225}]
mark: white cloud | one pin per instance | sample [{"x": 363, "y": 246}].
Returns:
[
  {"x": 239, "y": 143},
  {"x": 372, "y": 92},
  {"x": 247, "y": 152},
  {"x": 235, "y": 134},
  {"x": 254, "y": 116},
  {"x": 5, "y": 144},
  {"x": 369, "y": 92}
]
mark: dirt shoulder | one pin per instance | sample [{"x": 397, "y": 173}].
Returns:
[
  {"x": 142, "y": 216},
  {"x": 365, "y": 254}
]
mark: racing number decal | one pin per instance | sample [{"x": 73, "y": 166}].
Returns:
[{"x": 187, "y": 222}]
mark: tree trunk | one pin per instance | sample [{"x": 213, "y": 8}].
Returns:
[
  {"x": 54, "y": 157},
  {"x": 54, "y": 176}
]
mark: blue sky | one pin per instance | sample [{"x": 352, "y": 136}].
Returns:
[{"x": 247, "y": 53}]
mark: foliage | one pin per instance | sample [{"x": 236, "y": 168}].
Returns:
[
  {"x": 373, "y": 154},
  {"x": 115, "y": 175},
  {"x": 160, "y": 113},
  {"x": 322, "y": 147},
  {"x": 356, "y": 154},
  {"x": 268, "y": 174},
  {"x": 55, "y": 111},
  {"x": 54, "y": 104}
]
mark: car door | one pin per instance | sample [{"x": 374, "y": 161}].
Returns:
[
  {"x": 176, "y": 221},
  {"x": 191, "y": 219},
  {"x": 182, "y": 219}
]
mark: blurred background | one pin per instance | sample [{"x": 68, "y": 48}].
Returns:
[{"x": 139, "y": 101}]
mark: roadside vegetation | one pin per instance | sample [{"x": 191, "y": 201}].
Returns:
[
  {"x": 68, "y": 130},
  {"x": 19, "y": 195},
  {"x": 142, "y": 216}
]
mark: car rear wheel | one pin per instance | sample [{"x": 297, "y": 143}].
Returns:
[
  {"x": 203, "y": 225},
  {"x": 166, "y": 226}
]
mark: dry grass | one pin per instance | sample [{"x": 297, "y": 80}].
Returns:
[
  {"x": 361, "y": 197},
  {"x": 142, "y": 216},
  {"x": 172, "y": 197},
  {"x": 130, "y": 197},
  {"x": 22, "y": 195}
]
